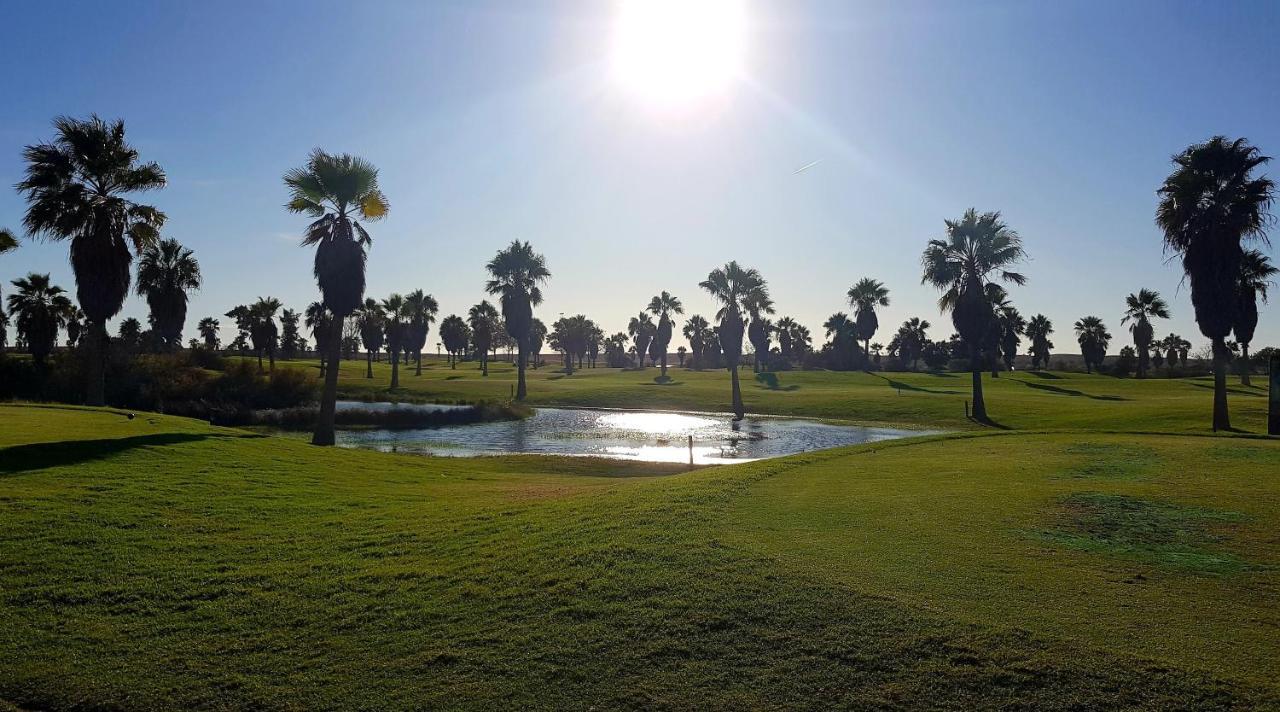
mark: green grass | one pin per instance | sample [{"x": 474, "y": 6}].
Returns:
[
  {"x": 161, "y": 563},
  {"x": 1021, "y": 400}
]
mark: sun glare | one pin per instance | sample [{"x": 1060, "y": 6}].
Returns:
[{"x": 673, "y": 55}]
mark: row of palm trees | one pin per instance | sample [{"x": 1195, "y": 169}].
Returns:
[{"x": 81, "y": 187}]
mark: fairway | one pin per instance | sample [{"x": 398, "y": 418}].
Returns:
[{"x": 158, "y": 562}]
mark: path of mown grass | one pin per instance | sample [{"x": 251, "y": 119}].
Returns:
[
  {"x": 1020, "y": 400},
  {"x": 169, "y": 564}
]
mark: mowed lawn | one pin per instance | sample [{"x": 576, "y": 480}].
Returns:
[
  {"x": 161, "y": 563},
  {"x": 1019, "y": 400}
]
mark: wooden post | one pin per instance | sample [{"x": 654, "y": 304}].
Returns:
[
  {"x": 690, "y": 450},
  {"x": 966, "y": 410},
  {"x": 1273, "y": 410}
]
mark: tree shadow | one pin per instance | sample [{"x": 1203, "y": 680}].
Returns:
[
  {"x": 37, "y": 456},
  {"x": 938, "y": 374},
  {"x": 1045, "y": 375},
  {"x": 1237, "y": 391},
  {"x": 909, "y": 387},
  {"x": 990, "y": 423},
  {"x": 1067, "y": 391},
  {"x": 768, "y": 380}
]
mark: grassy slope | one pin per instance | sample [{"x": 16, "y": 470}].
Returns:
[
  {"x": 171, "y": 564},
  {"x": 1020, "y": 400}
]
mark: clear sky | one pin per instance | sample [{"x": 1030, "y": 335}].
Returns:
[{"x": 499, "y": 120}]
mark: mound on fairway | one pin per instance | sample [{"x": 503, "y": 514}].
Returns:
[{"x": 160, "y": 563}]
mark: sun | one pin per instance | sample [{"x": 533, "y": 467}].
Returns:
[{"x": 674, "y": 55}]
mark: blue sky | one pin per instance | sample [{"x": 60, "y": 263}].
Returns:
[{"x": 492, "y": 121}]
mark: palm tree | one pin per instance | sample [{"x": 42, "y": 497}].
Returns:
[
  {"x": 455, "y": 334},
  {"x": 1038, "y": 330},
  {"x": 695, "y": 330},
  {"x": 516, "y": 275},
  {"x": 39, "y": 309},
  {"x": 263, "y": 331},
  {"x": 319, "y": 320},
  {"x": 1010, "y": 325},
  {"x": 663, "y": 306},
  {"x": 334, "y": 191},
  {"x": 130, "y": 333},
  {"x": 74, "y": 326},
  {"x": 912, "y": 336},
  {"x": 758, "y": 304},
  {"x": 975, "y": 248},
  {"x": 735, "y": 288},
  {"x": 1208, "y": 206},
  {"x": 785, "y": 328},
  {"x": 1093, "y": 337},
  {"x": 76, "y": 187},
  {"x": 167, "y": 271},
  {"x": 1140, "y": 308},
  {"x": 864, "y": 297},
  {"x": 420, "y": 310},
  {"x": 208, "y": 328},
  {"x": 372, "y": 325},
  {"x": 483, "y": 320},
  {"x": 537, "y": 337},
  {"x": 641, "y": 329},
  {"x": 393, "y": 310},
  {"x": 842, "y": 334},
  {"x": 1256, "y": 272},
  {"x": 8, "y": 241}
]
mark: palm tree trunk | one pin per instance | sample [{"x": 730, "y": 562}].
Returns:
[
  {"x": 739, "y": 411},
  {"x": 395, "y": 369},
  {"x": 329, "y": 397},
  {"x": 96, "y": 390},
  {"x": 1143, "y": 358},
  {"x": 1244, "y": 365},
  {"x": 520, "y": 363},
  {"x": 664, "y": 363},
  {"x": 975, "y": 368},
  {"x": 419, "y": 357},
  {"x": 368, "y": 362},
  {"x": 1221, "y": 420}
]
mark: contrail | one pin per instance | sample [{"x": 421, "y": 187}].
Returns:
[{"x": 806, "y": 166}]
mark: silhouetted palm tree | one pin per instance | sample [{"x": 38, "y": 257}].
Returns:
[
  {"x": 1011, "y": 326},
  {"x": 695, "y": 331},
  {"x": 1140, "y": 309},
  {"x": 663, "y": 306},
  {"x": 516, "y": 275},
  {"x": 537, "y": 337},
  {"x": 130, "y": 333},
  {"x": 1208, "y": 206},
  {"x": 1038, "y": 330},
  {"x": 334, "y": 190},
  {"x": 76, "y": 188},
  {"x": 641, "y": 329},
  {"x": 785, "y": 328},
  {"x": 420, "y": 310},
  {"x": 961, "y": 265},
  {"x": 319, "y": 320},
  {"x": 372, "y": 325},
  {"x": 39, "y": 308},
  {"x": 393, "y": 310},
  {"x": 1093, "y": 337},
  {"x": 1256, "y": 272},
  {"x": 483, "y": 320},
  {"x": 735, "y": 288},
  {"x": 842, "y": 334},
  {"x": 208, "y": 328},
  {"x": 263, "y": 331},
  {"x": 167, "y": 271},
  {"x": 758, "y": 304},
  {"x": 74, "y": 326},
  {"x": 864, "y": 297},
  {"x": 455, "y": 334},
  {"x": 912, "y": 337}
]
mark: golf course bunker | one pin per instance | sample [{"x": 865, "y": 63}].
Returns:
[{"x": 630, "y": 435}]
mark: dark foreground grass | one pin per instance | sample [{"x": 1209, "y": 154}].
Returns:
[
  {"x": 1021, "y": 400},
  {"x": 166, "y": 564}
]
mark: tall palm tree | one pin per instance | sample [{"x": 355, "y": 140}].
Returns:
[
  {"x": 372, "y": 325},
  {"x": 537, "y": 337},
  {"x": 1093, "y": 337},
  {"x": 1256, "y": 272},
  {"x": 641, "y": 329},
  {"x": 663, "y": 306},
  {"x": 516, "y": 275},
  {"x": 420, "y": 310},
  {"x": 455, "y": 334},
  {"x": 335, "y": 191},
  {"x": 1038, "y": 330},
  {"x": 39, "y": 308},
  {"x": 758, "y": 304},
  {"x": 208, "y": 328},
  {"x": 976, "y": 248},
  {"x": 864, "y": 297},
  {"x": 393, "y": 310},
  {"x": 842, "y": 333},
  {"x": 483, "y": 319},
  {"x": 695, "y": 330},
  {"x": 167, "y": 271},
  {"x": 735, "y": 288},
  {"x": 1011, "y": 325},
  {"x": 77, "y": 189},
  {"x": 912, "y": 337},
  {"x": 1141, "y": 308},
  {"x": 1209, "y": 205},
  {"x": 263, "y": 330},
  {"x": 786, "y": 329}
]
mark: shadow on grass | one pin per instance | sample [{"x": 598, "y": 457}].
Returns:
[
  {"x": 991, "y": 423},
  {"x": 939, "y": 374},
  {"x": 1236, "y": 391},
  {"x": 1067, "y": 391},
  {"x": 909, "y": 387},
  {"x": 1045, "y": 375},
  {"x": 768, "y": 380},
  {"x": 36, "y": 456}
]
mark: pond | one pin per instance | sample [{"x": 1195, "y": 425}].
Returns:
[{"x": 633, "y": 435}]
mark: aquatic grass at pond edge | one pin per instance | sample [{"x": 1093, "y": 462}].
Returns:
[{"x": 392, "y": 418}]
